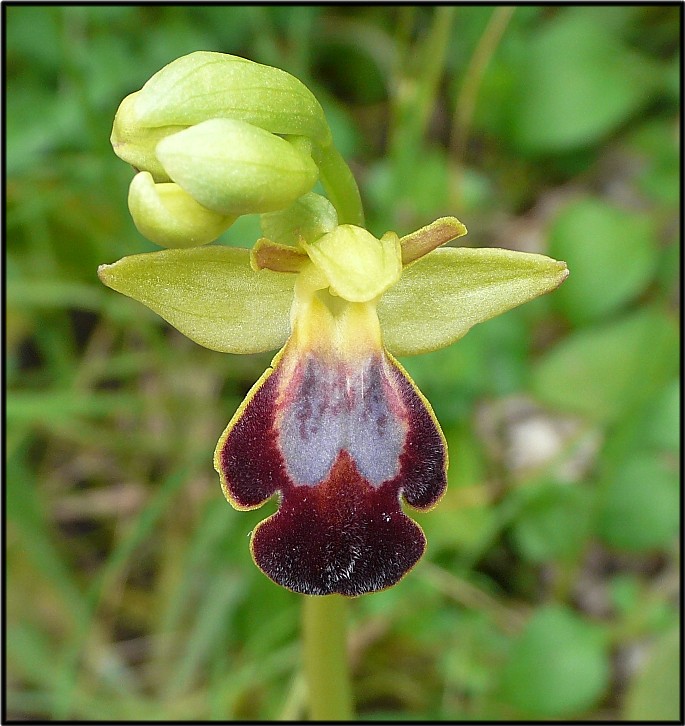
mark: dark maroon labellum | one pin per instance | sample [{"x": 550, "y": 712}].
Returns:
[{"x": 342, "y": 444}]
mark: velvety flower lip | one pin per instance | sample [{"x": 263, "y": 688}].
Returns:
[{"x": 342, "y": 443}]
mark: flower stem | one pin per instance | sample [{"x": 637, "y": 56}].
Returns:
[
  {"x": 324, "y": 627},
  {"x": 340, "y": 186}
]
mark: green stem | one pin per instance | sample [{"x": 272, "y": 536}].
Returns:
[
  {"x": 473, "y": 77},
  {"x": 434, "y": 55},
  {"x": 340, "y": 186},
  {"x": 324, "y": 627},
  {"x": 414, "y": 101}
]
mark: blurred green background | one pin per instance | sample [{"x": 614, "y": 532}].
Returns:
[{"x": 549, "y": 589}]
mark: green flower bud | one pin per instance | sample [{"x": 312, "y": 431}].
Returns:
[
  {"x": 203, "y": 85},
  {"x": 135, "y": 143},
  {"x": 233, "y": 168},
  {"x": 170, "y": 217}
]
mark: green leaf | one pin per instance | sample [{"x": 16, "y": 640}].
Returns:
[
  {"x": 654, "y": 428},
  {"x": 639, "y": 504},
  {"x": 559, "y": 666},
  {"x": 444, "y": 294},
  {"x": 656, "y": 144},
  {"x": 654, "y": 693},
  {"x": 210, "y": 294},
  {"x": 605, "y": 371},
  {"x": 660, "y": 426},
  {"x": 652, "y": 431},
  {"x": 612, "y": 253},
  {"x": 553, "y": 523},
  {"x": 577, "y": 82}
]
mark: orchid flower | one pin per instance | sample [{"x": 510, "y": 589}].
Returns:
[{"x": 335, "y": 426}]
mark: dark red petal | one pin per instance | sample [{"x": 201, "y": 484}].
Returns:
[
  {"x": 424, "y": 458},
  {"x": 248, "y": 457},
  {"x": 341, "y": 536},
  {"x": 342, "y": 443}
]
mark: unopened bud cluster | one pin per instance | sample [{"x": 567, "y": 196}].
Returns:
[{"x": 213, "y": 137}]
